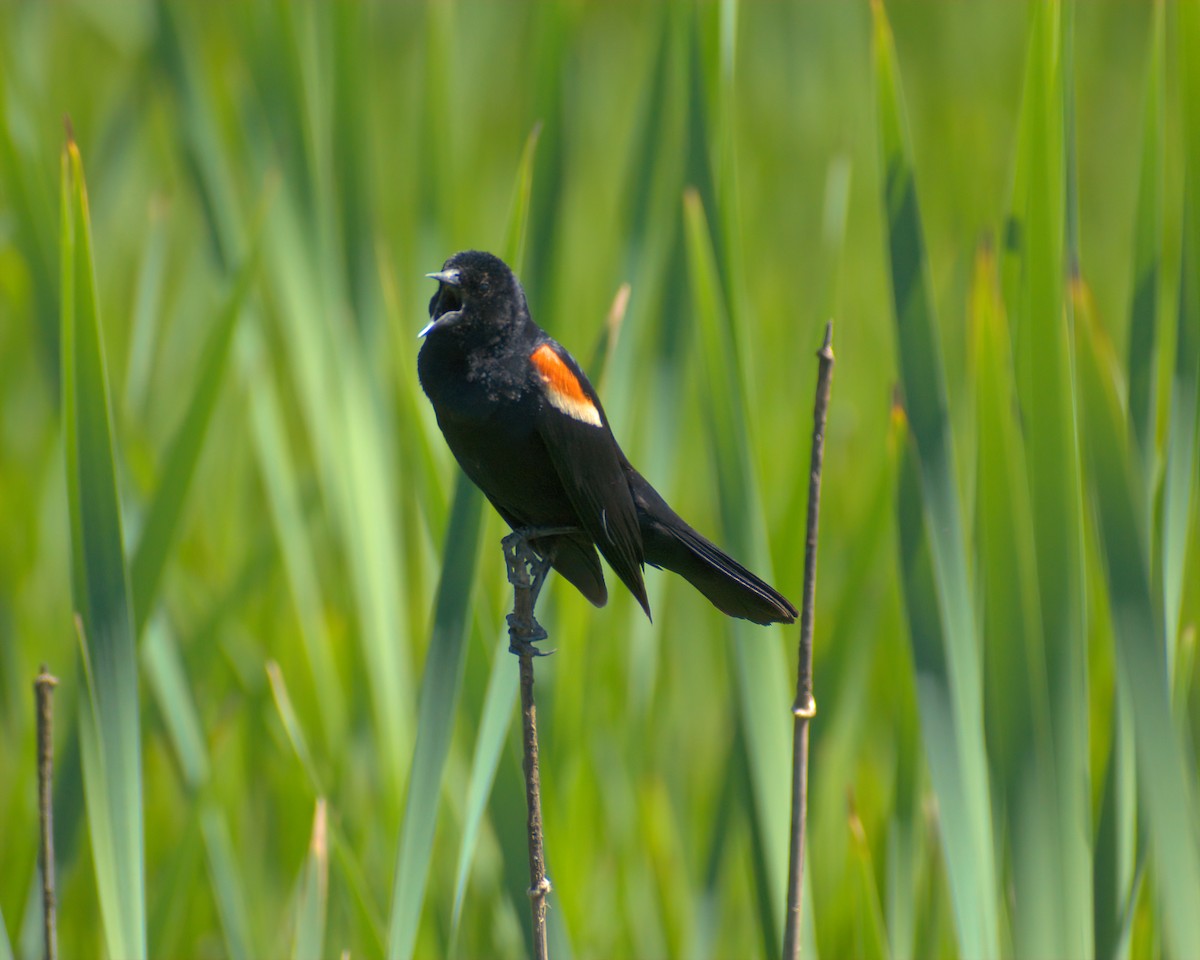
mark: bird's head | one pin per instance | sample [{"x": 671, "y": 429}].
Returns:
[{"x": 472, "y": 285}]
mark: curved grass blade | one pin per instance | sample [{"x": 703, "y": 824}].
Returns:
[
  {"x": 228, "y": 887},
  {"x": 109, "y": 732},
  {"x": 292, "y": 726},
  {"x": 166, "y": 677},
  {"x": 441, "y": 683},
  {"x": 147, "y": 308},
  {"x": 494, "y": 723},
  {"x": 518, "y": 219},
  {"x": 1147, "y": 255},
  {"x": 313, "y": 888},
  {"x": 1166, "y": 773},
  {"x": 873, "y": 942},
  {"x": 296, "y": 551},
  {"x": 941, "y": 615},
  {"x": 166, "y": 507}
]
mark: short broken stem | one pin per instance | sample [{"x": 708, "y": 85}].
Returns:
[
  {"x": 805, "y": 707},
  {"x": 43, "y": 688}
]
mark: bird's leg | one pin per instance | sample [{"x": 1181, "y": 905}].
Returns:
[{"x": 527, "y": 570}]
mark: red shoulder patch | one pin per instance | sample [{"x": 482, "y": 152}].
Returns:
[{"x": 563, "y": 389}]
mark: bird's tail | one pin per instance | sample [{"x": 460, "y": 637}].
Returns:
[{"x": 669, "y": 542}]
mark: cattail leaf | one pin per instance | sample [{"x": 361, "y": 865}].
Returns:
[
  {"x": 939, "y": 594},
  {"x": 109, "y": 731}
]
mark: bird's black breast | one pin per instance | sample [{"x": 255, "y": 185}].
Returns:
[{"x": 487, "y": 408}]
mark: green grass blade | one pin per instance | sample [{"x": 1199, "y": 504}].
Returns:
[
  {"x": 147, "y": 310},
  {"x": 1018, "y": 703},
  {"x": 1007, "y": 566},
  {"x": 313, "y": 887},
  {"x": 938, "y": 723},
  {"x": 441, "y": 686},
  {"x": 950, "y": 688},
  {"x": 6, "y": 952},
  {"x": 1117, "y": 868},
  {"x": 291, "y": 725},
  {"x": 518, "y": 217},
  {"x": 1184, "y": 412},
  {"x": 1166, "y": 773},
  {"x": 351, "y": 162},
  {"x": 1188, "y": 30},
  {"x": 170, "y": 497},
  {"x": 1147, "y": 254},
  {"x": 494, "y": 723},
  {"x": 1046, "y": 391},
  {"x": 109, "y": 719},
  {"x": 759, "y": 665},
  {"x": 167, "y": 678},
  {"x": 873, "y": 942},
  {"x": 275, "y": 462},
  {"x": 28, "y": 199},
  {"x": 209, "y": 166},
  {"x": 228, "y": 888}
]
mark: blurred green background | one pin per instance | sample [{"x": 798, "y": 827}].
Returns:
[{"x": 323, "y": 692}]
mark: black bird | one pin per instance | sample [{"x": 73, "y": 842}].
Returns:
[{"x": 528, "y": 429}]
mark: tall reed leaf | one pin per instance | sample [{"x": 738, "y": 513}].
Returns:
[
  {"x": 441, "y": 683},
  {"x": 1046, "y": 392},
  {"x": 1147, "y": 255},
  {"x": 441, "y": 686},
  {"x": 941, "y": 612},
  {"x": 1178, "y": 482},
  {"x": 109, "y": 733},
  {"x": 1019, "y": 728},
  {"x": 1166, "y": 774}
]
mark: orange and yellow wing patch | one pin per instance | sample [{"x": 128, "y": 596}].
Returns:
[{"x": 563, "y": 389}]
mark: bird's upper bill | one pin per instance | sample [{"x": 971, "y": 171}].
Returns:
[{"x": 446, "y": 301}]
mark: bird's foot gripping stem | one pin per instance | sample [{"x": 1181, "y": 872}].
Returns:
[{"x": 527, "y": 571}]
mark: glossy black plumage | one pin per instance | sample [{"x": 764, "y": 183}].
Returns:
[{"x": 528, "y": 429}]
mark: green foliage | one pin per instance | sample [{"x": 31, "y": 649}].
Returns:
[
  {"x": 109, "y": 729},
  {"x": 285, "y": 726}
]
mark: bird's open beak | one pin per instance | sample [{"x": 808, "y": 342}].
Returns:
[
  {"x": 445, "y": 276},
  {"x": 451, "y": 279}
]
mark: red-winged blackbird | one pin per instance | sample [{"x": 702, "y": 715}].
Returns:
[{"x": 528, "y": 429}]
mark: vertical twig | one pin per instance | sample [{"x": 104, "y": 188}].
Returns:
[
  {"x": 805, "y": 707},
  {"x": 526, "y": 570},
  {"x": 43, "y": 689}
]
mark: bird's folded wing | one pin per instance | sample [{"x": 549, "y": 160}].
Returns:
[{"x": 572, "y": 425}]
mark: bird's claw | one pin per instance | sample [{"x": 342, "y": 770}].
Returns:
[{"x": 523, "y": 634}]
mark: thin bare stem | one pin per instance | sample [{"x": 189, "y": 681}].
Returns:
[
  {"x": 43, "y": 689},
  {"x": 805, "y": 707},
  {"x": 526, "y": 571}
]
